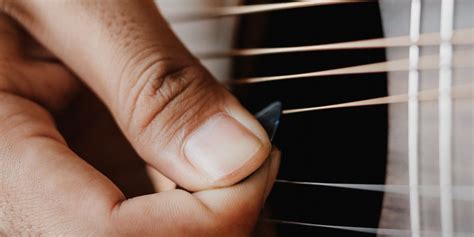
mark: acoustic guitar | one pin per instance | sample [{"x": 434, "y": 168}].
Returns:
[{"x": 377, "y": 124}]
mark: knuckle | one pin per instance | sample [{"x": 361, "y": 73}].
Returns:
[{"x": 169, "y": 97}]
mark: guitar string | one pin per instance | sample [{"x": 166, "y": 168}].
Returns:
[
  {"x": 413, "y": 117},
  {"x": 463, "y": 193},
  {"x": 460, "y": 37},
  {"x": 180, "y": 16},
  {"x": 379, "y": 231},
  {"x": 391, "y": 232},
  {"x": 429, "y": 62},
  {"x": 458, "y": 92},
  {"x": 445, "y": 114}
]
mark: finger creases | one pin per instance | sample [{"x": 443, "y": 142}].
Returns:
[
  {"x": 178, "y": 118},
  {"x": 176, "y": 115},
  {"x": 194, "y": 131}
]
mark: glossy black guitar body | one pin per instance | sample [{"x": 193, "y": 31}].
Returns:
[{"x": 334, "y": 146}]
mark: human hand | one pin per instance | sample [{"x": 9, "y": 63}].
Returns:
[{"x": 159, "y": 95}]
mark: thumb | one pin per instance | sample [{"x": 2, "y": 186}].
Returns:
[{"x": 178, "y": 118}]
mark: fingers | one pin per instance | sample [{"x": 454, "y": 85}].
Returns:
[
  {"x": 18, "y": 44},
  {"x": 23, "y": 74},
  {"x": 45, "y": 189},
  {"x": 228, "y": 211},
  {"x": 179, "y": 119}
]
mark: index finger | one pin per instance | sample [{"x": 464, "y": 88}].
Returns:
[{"x": 173, "y": 112}]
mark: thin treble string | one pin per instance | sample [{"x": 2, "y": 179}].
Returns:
[
  {"x": 461, "y": 37},
  {"x": 463, "y": 193},
  {"x": 379, "y": 231},
  {"x": 430, "y": 62},
  {"x": 391, "y": 232},
  {"x": 459, "y": 92},
  {"x": 226, "y": 11},
  {"x": 445, "y": 111},
  {"x": 413, "y": 117}
]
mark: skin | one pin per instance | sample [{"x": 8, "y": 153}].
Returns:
[{"x": 58, "y": 175}]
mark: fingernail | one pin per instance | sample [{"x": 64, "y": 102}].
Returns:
[{"x": 221, "y": 146}]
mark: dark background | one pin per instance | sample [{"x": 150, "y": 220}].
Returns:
[{"x": 337, "y": 146}]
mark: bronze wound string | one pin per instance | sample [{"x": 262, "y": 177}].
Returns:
[
  {"x": 227, "y": 11},
  {"x": 460, "y": 37},
  {"x": 458, "y": 92},
  {"x": 430, "y": 62},
  {"x": 445, "y": 62}
]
